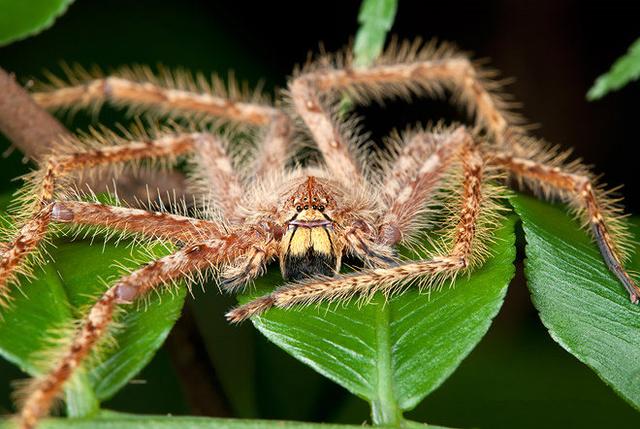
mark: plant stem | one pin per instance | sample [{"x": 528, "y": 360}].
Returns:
[
  {"x": 384, "y": 409},
  {"x": 29, "y": 127}
]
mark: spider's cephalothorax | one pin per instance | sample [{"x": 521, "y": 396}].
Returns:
[
  {"x": 444, "y": 178},
  {"x": 310, "y": 245}
]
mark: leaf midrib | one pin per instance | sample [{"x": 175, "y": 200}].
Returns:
[{"x": 384, "y": 409}]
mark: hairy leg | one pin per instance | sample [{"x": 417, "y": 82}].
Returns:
[
  {"x": 215, "y": 177},
  {"x": 38, "y": 211},
  {"x": 167, "y": 226},
  {"x": 187, "y": 263},
  {"x": 574, "y": 184},
  {"x": 414, "y": 177},
  {"x": 464, "y": 251},
  {"x": 123, "y": 91},
  {"x": 181, "y": 94},
  {"x": 403, "y": 70}
]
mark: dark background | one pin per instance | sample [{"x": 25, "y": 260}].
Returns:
[{"x": 517, "y": 377}]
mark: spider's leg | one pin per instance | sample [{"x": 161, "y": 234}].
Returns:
[
  {"x": 145, "y": 223},
  {"x": 36, "y": 215},
  {"x": 168, "y": 96},
  {"x": 187, "y": 262},
  {"x": 274, "y": 150},
  {"x": 464, "y": 252},
  {"x": 574, "y": 184},
  {"x": 402, "y": 71},
  {"x": 361, "y": 240},
  {"x": 333, "y": 143},
  {"x": 249, "y": 266},
  {"x": 215, "y": 177},
  {"x": 413, "y": 179},
  {"x": 152, "y": 95}
]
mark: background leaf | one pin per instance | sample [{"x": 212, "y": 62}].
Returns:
[
  {"x": 376, "y": 18},
  {"x": 582, "y": 304},
  {"x": 394, "y": 354},
  {"x": 623, "y": 71},
  {"x": 20, "y": 18},
  {"x": 61, "y": 292}
]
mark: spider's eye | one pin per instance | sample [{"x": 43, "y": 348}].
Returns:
[
  {"x": 299, "y": 208},
  {"x": 314, "y": 207},
  {"x": 321, "y": 208},
  {"x": 306, "y": 207}
]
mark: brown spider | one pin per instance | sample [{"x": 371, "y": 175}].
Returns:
[{"x": 308, "y": 217}]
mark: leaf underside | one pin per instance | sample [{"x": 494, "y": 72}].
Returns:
[{"x": 581, "y": 303}]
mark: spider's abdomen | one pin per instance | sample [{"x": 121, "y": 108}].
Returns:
[{"x": 308, "y": 249}]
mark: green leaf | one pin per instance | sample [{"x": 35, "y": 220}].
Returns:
[
  {"x": 623, "y": 71},
  {"x": 582, "y": 304},
  {"x": 393, "y": 354},
  {"x": 376, "y": 18},
  {"x": 60, "y": 294},
  {"x": 20, "y": 18},
  {"x": 112, "y": 420}
]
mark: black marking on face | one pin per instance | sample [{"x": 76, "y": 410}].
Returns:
[{"x": 314, "y": 260}]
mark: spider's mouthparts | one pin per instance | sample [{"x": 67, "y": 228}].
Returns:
[{"x": 310, "y": 223}]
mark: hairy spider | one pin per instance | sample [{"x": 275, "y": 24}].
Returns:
[{"x": 256, "y": 207}]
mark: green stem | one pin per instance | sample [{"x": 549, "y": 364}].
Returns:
[{"x": 384, "y": 408}]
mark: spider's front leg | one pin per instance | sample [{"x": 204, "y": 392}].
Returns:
[
  {"x": 465, "y": 251},
  {"x": 193, "y": 259},
  {"x": 41, "y": 190},
  {"x": 575, "y": 185}
]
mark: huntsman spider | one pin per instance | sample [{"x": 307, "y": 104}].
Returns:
[{"x": 354, "y": 200}]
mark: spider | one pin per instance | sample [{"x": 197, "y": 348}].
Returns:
[{"x": 356, "y": 201}]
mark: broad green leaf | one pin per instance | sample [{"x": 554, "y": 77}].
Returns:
[
  {"x": 393, "y": 354},
  {"x": 112, "y": 420},
  {"x": 60, "y": 294},
  {"x": 376, "y": 18},
  {"x": 21, "y": 18},
  {"x": 584, "y": 307},
  {"x": 623, "y": 71}
]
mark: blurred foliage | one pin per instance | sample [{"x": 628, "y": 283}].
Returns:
[
  {"x": 21, "y": 18},
  {"x": 623, "y": 71},
  {"x": 376, "y": 18}
]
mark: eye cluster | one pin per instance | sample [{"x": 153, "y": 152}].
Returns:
[{"x": 317, "y": 203}]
